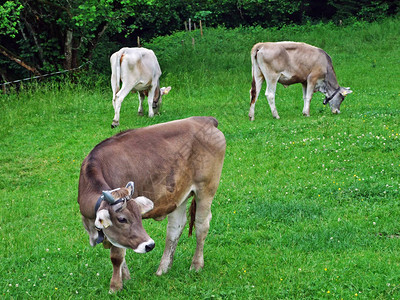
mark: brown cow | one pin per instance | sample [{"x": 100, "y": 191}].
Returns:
[
  {"x": 168, "y": 164},
  {"x": 289, "y": 63}
]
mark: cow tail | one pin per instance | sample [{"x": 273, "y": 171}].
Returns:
[
  {"x": 192, "y": 211},
  {"x": 115, "y": 72},
  {"x": 253, "y": 91},
  {"x": 254, "y": 65},
  {"x": 254, "y": 53},
  {"x": 118, "y": 71}
]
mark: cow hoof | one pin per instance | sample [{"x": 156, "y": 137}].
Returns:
[
  {"x": 251, "y": 118},
  {"x": 114, "y": 288},
  {"x": 151, "y": 115},
  {"x": 162, "y": 270},
  {"x": 140, "y": 113},
  {"x": 275, "y": 115},
  {"x": 196, "y": 266},
  {"x": 113, "y": 125}
]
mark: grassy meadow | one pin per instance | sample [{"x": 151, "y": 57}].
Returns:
[{"x": 307, "y": 208}]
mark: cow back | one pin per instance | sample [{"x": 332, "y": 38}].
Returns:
[{"x": 163, "y": 160}]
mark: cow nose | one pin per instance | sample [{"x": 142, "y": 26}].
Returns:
[
  {"x": 335, "y": 111},
  {"x": 149, "y": 247}
]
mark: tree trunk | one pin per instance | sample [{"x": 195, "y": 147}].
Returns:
[
  {"x": 18, "y": 60},
  {"x": 76, "y": 44},
  {"x": 93, "y": 43},
  {"x": 68, "y": 50},
  {"x": 3, "y": 76},
  {"x": 34, "y": 35}
]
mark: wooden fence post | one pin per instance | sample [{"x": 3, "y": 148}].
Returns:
[
  {"x": 201, "y": 29},
  {"x": 186, "y": 28},
  {"x": 138, "y": 42},
  {"x": 190, "y": 24}
]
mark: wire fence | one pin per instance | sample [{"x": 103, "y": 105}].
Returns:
[{"x": 45, "y": 75}]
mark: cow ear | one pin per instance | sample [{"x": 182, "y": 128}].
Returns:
[
  {"x": 131, "y": 187},
  {"x": 345, "y": 91},
  {"x": 144, "y": 203},
  {"x": 165, "y": 90},
  {"x": 103, "y": 219}
]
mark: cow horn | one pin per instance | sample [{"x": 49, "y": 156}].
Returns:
[
  {"x": 132, "y": 185},
  {"x": 108, "y": 197}
]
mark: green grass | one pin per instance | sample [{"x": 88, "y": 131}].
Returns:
[{"x": 306, "y": 207}]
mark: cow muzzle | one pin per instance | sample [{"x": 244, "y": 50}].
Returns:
[{"x": 145, "y": 247}]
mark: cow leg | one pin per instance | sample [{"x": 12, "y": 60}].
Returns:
[
  {"x": 141, "y": 98},
  {"x": 270, "y": 94},
  {"x": 117, "y": 101},
  {"x": 308, "y": 90},
  {"x": 176, "y": 223},
  {"x": 150, "y": 99},
  {"x": 120, "y": 268},
  {"x": 255, "y": 91},
  {"x": 202, "y": 225}
]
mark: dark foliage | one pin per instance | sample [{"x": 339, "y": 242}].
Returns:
[{"x": 49, "y": 38}]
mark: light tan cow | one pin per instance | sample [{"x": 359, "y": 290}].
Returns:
[
  {"x": 164, "y": 165},
  {"x": 289, "y": 63},
  {"x": 138, "y": 69}
]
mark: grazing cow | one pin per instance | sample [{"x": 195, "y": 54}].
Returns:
[
  {"x": 289, "y": 63},
  {"x": 138, "y": 69},
  {"x": 168, "y": 163}
]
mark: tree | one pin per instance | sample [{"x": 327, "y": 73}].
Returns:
[
  {"x": 40, "y": 36},
  {"x": 49, "y": 35},
  {"x": 9, "y": 17},
  {"x": 9, "y": 23}
]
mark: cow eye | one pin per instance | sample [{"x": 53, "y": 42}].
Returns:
[{"x": 122, "y": 220}]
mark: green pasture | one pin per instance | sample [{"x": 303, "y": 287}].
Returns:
[{"x": 307, "y": 208}]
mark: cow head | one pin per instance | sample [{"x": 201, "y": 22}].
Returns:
[
  {"x": 120, "y": 218},
  {"x": 158, "y": 98},
  {"x": 337, "y": 98}
]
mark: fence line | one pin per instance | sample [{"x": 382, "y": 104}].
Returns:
[{"x": 45, "y": 75}]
